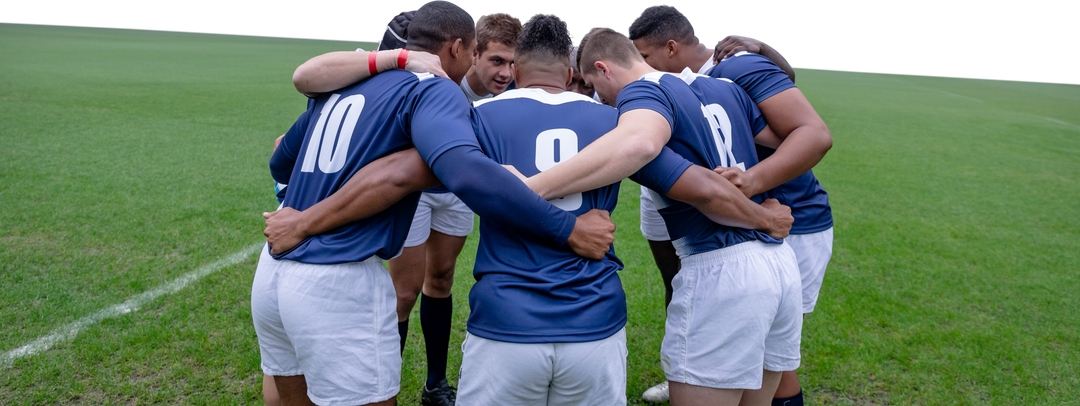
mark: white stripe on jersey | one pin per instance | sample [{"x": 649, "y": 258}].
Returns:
[{"x": 539, "y": 95}]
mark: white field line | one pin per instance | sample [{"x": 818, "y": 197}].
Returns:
[
  {"x": 69, "y": 331},
  {"x": 962, "y": 96},
  {"x": 1064, "y": 123}
]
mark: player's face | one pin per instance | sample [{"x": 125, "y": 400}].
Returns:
[
  {"x": 577, "y": 84},
  {"x": 493, "y": 67},
  {"x": 655, "y": 56},
  {"x": 605, "y": 87}
]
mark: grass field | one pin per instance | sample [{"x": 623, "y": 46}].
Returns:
[{"x": 134, "y": 158}]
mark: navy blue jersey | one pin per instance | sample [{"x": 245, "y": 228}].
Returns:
[
  {"x": 396, "y": 110},
  {"x": 528, "y": 290},
  {"x": 717, "y": 132},
  {"x": 762, "y": 79}
]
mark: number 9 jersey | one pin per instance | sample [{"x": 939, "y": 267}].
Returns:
[{"x": 529, "y": 290}]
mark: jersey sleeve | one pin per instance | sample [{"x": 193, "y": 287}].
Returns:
[
  {"x": 284, "y": 158},
  {"x": 753, "y": 113},
  {"x": 756, "y": 74},
  {"x": 661, "y": 173},
  {"x": 443, "y": 134},
  {"x": 643, "y": 94}
]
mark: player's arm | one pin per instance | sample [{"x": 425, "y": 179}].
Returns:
[
  {"x": 372, "y": 189},
  {"x": 335, "y": 70},
  {"x": 637, "y": 140},
  {"x": 723, "y": 203},
  {"x": 734, "y": 44},
  {"x": 805, "y": 139},
  {"x": 443, "y": 134}
]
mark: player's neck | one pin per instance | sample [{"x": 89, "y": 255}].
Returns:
[
  {"x": 547, "y": 82},
  {"x": 473, "y": 80},
  {"x": 701, "y": 57},
  {"x": 637, "y": 70}
]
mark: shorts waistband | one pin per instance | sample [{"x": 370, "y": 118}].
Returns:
[{"x": 730, "y": 253}]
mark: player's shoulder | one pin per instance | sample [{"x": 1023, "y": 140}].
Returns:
[{"x": 742, "y": 63}]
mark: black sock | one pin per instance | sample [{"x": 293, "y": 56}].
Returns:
[
  {"x": 789, "y": 401},
  {"x": 403, "y": 331},
  {"x": 435, "y": 317}
]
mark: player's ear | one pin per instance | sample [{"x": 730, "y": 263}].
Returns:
[
  {"x": 671, "y": 47},
  {"x": 514, "y": 71},
  {"x": 569, "y": 77},
  {"x": 458, "y": 48},
  {"x": 602, "y": 67}
]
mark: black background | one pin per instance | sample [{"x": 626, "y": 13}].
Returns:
[{"x": 1018, "y": 40}]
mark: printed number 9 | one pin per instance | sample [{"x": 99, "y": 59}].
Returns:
[{"x": 552, "y": 147}]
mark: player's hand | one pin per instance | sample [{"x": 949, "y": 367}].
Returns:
[
  {"x": 780, "y": 219},
  {"x": 282, "y": 229},
  {"x": 593, "y": 234},
  {"x": 514, "y": 171},
  {"x": 734, "y": 44},
  {"x": 740, "y": 179},
  {"x": 420, "y": 62}
]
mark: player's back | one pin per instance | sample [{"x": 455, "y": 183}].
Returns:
[
  {"x": 762, "y": 79},
  {"x": 529, "y": 290},
  {"x": 712, "y": 132},
  {"x": 341, "y": 132}
]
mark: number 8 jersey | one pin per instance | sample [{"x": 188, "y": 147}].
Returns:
[{"x": 713, "y": 123}]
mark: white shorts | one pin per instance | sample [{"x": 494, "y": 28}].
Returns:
[
  {"x": 442, "y": 212},
  {"x": 652, "y": 225},
  {"x": 502, "y": 373},
  {"x": 813, "y": 251},
  {"x": 734, "y": 312},
  {"x": 334, "y": 324}
]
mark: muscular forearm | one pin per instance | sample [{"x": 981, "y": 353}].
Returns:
[
  {"x": 335, "y": 70},
  {"x": 800, "y": 151},
  {"x": 372, "y": 189},
  {"x": 718, "y": 199},
  {"x": 639, "y": 137}
]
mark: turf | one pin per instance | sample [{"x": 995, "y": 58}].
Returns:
[{"x": 132, "y": 158}]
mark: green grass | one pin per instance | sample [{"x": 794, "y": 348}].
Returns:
[{"x": 133, "y": 157}]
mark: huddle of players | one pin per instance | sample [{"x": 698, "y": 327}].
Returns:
[{"x": 548, "y": 310}]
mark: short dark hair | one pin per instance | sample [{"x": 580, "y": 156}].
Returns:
[
  {"x": 544, "y": 38},
  {"x": 498, "y": 27},
  {"x": 605, "y": 44},
  {"x": 437, "y": 22},
  {"x": 658, "y": 24}
]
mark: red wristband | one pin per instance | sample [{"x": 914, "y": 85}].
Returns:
[
  {"x": 402, "y": 58},
  {"x": 372, "y": 70}
]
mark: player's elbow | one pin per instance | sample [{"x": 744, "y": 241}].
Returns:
[
  {"x": 642, "y": 150},
  {"x": 303, "y": 79}
]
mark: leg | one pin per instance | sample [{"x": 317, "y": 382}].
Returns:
[
  {"x": 691, "y": 395},
  {"x": 763, "y": 396},
  {"x": 293, "y": 390},
  {"x": 437, "y": 307},
  {"x": 442, "y": 254},
  {"x": 407, "y": 271},
  {"x": 269, "y": 390},
  {"x": 654, "y": 230},
  {"x": 667, "y": 261},
  {"x": 789, "y": 385}
]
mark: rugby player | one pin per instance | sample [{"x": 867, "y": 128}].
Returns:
[
  {"x": 724, "y": 356},
  {"x": 666, "y": 40},
  {"x": 322, "y": 308},
  {"x": 547, "y": 326}
]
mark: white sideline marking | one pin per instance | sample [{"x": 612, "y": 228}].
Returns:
[
  {"x": 1064, "y": 123},
  {"x": 68, "y": 332},
  {"x": 962, "y": 97}
]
